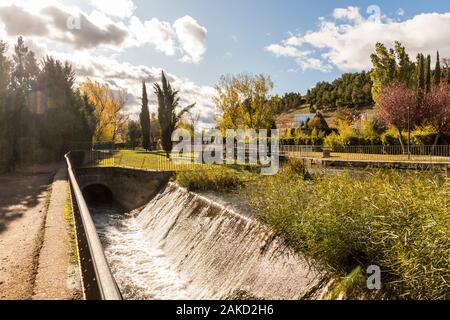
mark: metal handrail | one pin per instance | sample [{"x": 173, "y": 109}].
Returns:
[{"x": 106, "y": 285}]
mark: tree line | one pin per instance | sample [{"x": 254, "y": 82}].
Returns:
[
  {"x": 351, "y": 90},
  {"x": 44, "y": 113},
  {"x": 41, "y": 111},
  {"x": 410, "y": 95}
]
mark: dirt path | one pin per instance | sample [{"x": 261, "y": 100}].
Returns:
[
  {"x": 56, "y": 275},
  {"x": 22, "y": 211}
]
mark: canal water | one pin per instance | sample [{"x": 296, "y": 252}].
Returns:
[
  {"x": 141, "y": 270},
  {"x": 186, "y": 246}
]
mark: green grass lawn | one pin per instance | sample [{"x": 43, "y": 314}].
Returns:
[
  {"x": 147, "y": 160},
  {"x": 156, "y": 160}
]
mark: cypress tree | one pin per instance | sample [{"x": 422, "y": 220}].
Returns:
[
  {"x": 420, "y": 77},
  {"x": 428, "y": 74},
  {"x": 168, "y": 117},
  {"x": 145, "y": 119},
  {"x": 437, "y": 70}
]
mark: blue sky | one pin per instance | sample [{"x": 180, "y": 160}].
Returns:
[
  {"x": 297, "y": 43},
  {"x": 238, "y": 31}
]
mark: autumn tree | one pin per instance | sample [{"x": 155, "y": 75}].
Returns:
[
  {"x": 168, "y": 116},
  {"x": 145, "y": 119},
  {"x": 436, "y": 105},
  {"x": 398, "y": 108},
  {"x": 189, "y": 122},
  {"x": 109, "y": 109},
  {"x": 244, "y": 102}
]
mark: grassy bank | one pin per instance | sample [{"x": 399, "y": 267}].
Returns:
[
  {"x": 218, "y": 178},
  {"x": 68, "y": 216},
  {"x": 400, "y": 222}
]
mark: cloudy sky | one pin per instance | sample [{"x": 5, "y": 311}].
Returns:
[{"x": 296, "y": 42}]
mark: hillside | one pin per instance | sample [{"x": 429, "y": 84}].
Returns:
[{"x": 286, "y": 119}]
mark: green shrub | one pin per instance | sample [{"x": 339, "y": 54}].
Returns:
[
  {"x": 400, "y": 222},
  {"x": 390, "y": 138},
  {"x": 218, "y": 178},
  {"x": 369, "y": 133},
  {"x": 423, "y": 136},
  {"x": 346, "y": 136},
  {"x": 332, "y": 140},
  {"x": 295, "y": 167}
]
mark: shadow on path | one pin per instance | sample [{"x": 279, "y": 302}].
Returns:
[{"x": 20, "y": 192}]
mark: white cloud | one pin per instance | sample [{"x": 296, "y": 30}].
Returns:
[
  {"x": 129, "y": 76},
  {"x": 303, "y": 58},
  {"x": 159, "y": 34},
  {"x": 309, "y": 63},
  {"x": 349, "y": 14},
  {"x": 185, "y": 38},
  {"x": 285, "y": 51},
  {"x": 98, "y": 41},
  {"x": 347, "y": 39},
  {"x": 192, "y": 37},
  {"x": 115, "y": 8}
]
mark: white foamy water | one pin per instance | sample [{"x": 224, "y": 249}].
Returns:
[
  {"x": 184, "y": 246},
  {"x": 141, "y": 270}
]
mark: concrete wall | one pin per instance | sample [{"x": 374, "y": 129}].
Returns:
[{"x": 131, "y": 188}]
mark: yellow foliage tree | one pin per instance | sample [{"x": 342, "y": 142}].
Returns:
[
  {"x": 108, "y": 108},
  {"x": 244, "y": 103}
]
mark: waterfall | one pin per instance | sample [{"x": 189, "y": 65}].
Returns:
[{"x": 185, "y": 246}]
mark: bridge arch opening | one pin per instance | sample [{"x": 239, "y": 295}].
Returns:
[{"x": 98, "y": 195}]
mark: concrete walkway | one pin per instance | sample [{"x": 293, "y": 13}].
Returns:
[{"x": 56, "y": 277}]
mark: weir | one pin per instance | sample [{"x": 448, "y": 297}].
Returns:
[{"x": 182, "y": 245}]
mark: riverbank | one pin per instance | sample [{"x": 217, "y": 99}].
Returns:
[{"x": 398, "y": 221}]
